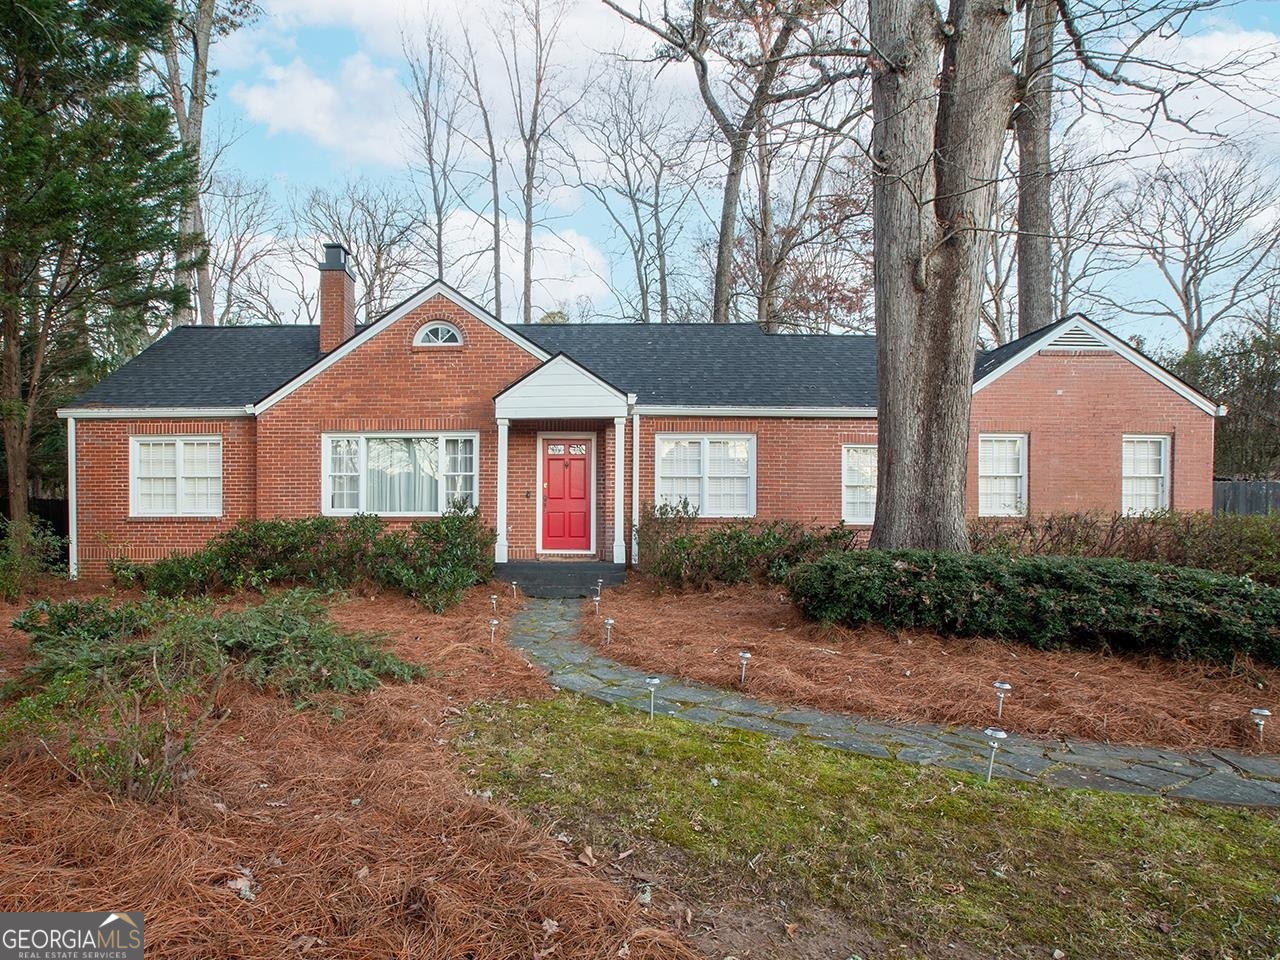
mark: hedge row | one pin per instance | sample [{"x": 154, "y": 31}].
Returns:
[
  {"x": 1239, "y": 545},
  {"x": 1048, "y": 602},
  {"x": 681, "y": 555},
  {"x": 434, "y": 561}
]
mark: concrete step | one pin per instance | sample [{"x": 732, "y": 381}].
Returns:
[{"x": 560, "y": 579}]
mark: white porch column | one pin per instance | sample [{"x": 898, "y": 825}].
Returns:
[
  {"x": 500, "y": 515},
  {"x": 619, "y": 489},
  {"x": 73, "y": 545},
  {"x": 635, "y": 488}
]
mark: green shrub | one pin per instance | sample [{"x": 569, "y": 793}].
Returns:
[
  {"x": 1047, "y": 602},
  {"x": 1240, "y": 545},
  {"x": 434, "y": 561},
  {"x": 28, "y": 548},
  {"x": 123, "y": 693},
  {"x": 678, "y": 552}
]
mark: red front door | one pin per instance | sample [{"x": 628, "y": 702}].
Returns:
[{"x": 566, "y": 494}]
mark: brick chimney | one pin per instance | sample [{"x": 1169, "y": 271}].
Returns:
[{"x": 337, "y": 297}]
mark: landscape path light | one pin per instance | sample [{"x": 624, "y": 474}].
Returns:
[
  {"x": 599, "y": 588},
  {"x": 513, "y": 589},
  {"x": 493, "y": 630},
  {"x": 596, "y": 601},
  {"x": 743, "y": 657},
  {"x": 1260, "y": 715},
  {"x": 994, "y": 737},
  {"x": 608, "y": 630},
  {"x": 1002, "y": 690},
  {"x": 652, "y": 684},
  {"x": 493, "y": 602}
]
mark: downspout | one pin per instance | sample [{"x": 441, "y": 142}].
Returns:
[{"x": 73, "y": 559}]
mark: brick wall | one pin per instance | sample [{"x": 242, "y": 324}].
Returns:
[
  {"x": 798, "y": 468},
  {"x": 1076, "y": 407},
  {"x": 388, "y": 384},
  {"x": 104, "y": 528}
]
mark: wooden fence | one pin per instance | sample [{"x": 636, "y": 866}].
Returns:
[{"x": 1246, "y": 496}]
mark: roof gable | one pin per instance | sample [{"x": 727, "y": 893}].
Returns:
[
  {"x": 560, "y": 388},
  {"x": 1078, "y": 333},
  {"x": 437, "y": 288}
]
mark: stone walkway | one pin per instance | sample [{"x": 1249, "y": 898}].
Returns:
[{"x": 546, "y": 631}]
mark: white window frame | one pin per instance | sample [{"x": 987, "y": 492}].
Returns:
[
  {"x": 420, "y": 337},
  {"x": 179, "y": 441},
  {"x": 1020, "y": 510},
  {"x": 845, "y": 484},
  {"x": 362, "y": 461},
  {"x": 705, "y": 439},
  {"x": 1166, "y": 448}
]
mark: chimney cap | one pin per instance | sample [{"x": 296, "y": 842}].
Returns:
[{"x": 336, "y": 257}]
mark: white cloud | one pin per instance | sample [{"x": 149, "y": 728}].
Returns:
[{"x": 354, "y": 114}]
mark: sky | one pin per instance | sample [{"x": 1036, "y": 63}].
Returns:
[{"x": 313, "y": 93}]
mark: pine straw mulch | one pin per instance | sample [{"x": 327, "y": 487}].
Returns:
[
  {"x": 355, "y": 837},
  {"x": 914, "y": 676}
]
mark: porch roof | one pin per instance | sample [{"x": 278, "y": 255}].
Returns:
[{"x": 561, "y": 388}]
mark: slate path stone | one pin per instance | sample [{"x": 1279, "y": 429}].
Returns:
[{"x": 546, "y": 630}]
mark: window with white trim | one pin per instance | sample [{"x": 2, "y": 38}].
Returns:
[
  {"x": 437, "y": 333},
  {"x": 714, "y": 473},
  {"x": 1002, "y": 475},
  {"x": 1144, "y": 470},
  {"x": 410, "y": 475},
  {"x": 175, "y": 476},
  {"x": 859, "y": 479}
]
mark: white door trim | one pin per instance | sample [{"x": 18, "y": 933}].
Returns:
[{"x": 591, "y": 437}]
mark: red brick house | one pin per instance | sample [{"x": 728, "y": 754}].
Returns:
[{"x": 560, "y": 433}]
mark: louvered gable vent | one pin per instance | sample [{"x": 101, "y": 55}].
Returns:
[{"x": 1077, "y": 338}]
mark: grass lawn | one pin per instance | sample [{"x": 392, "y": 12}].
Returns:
[{"x": 908, "y": 855}]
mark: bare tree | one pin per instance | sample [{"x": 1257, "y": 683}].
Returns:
[
  {"x": 487, "y": 144},
  {"x": 1086, "y": 225},
  {"x": 528, "y": 39},
  {"x": 435, "y": 91},
  {"x": 244, "y": 235},
  {"x": 804, "y": 254},
  {"x": 378, "y": 225},
  {"x": 999, "y": 316},
  {"x": 183, "y": 70},
  {"x": 944, "y": 91},
  {"x": 1209, "y": 228},
  {"x": 637, "y": 161},
  {"x": 752, "y": 57}
]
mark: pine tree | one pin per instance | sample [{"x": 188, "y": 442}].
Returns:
[{"x": 91, "y": 184}]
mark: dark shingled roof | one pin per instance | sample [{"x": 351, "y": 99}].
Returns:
[
  {"x": 988, "y": 360},
  {"x": 675, "y": 364},
  {"x": 209, "y": 367},
  {"x": 703, "y": 364}
]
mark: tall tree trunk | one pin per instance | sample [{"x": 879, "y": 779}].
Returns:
[
  {"x": 16, "y": 450},
  {"x": 936, "y": 147},
  {"x": 497, "y": 214},
  {"x": 187, "y": 99},
  {"x": 660, "y": 247},
  {"x": 723, "y": 285},
  {"x": 766, "y": 308},
  {"x": 1032, "y": 123},
  {"x": 204, "y": 278},
  {"x": 527, "y": 279}
]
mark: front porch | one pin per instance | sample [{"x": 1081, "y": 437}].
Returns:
[{"x": 562, "y": 469}]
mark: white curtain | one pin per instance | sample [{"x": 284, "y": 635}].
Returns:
[{"x": 402, "y": 475}]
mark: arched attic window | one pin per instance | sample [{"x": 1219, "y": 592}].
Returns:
[{"x": 437, "y": 333}]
